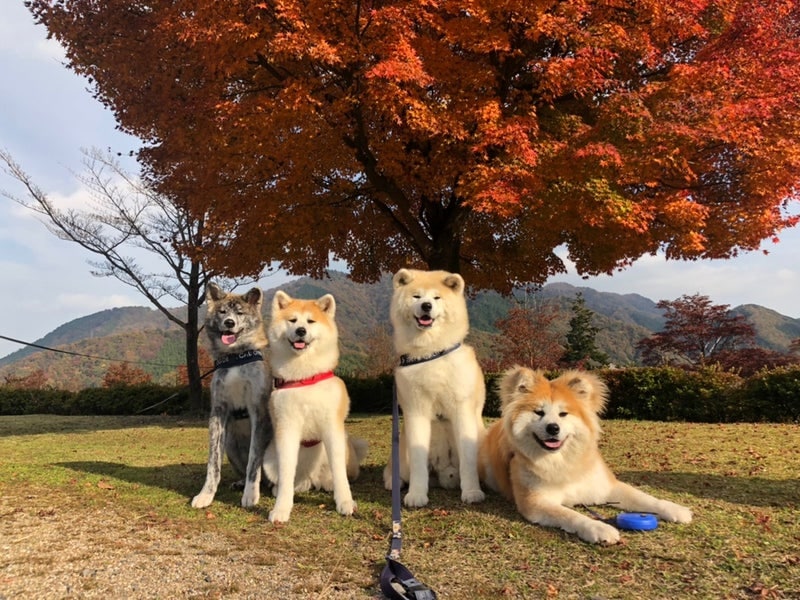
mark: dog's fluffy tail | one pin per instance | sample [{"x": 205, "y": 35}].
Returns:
[{"x": 360, "y": 447}]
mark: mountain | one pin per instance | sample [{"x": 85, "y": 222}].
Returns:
[{"x": 145, "y": 335}]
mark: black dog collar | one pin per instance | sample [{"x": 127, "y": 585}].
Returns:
[
  {"x": 407, "y": 361},
  {"x": 237, "y": 360}
]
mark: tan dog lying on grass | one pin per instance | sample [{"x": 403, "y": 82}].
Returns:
[{"x": 542, "y": 454}]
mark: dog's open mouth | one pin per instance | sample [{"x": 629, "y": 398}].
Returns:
[
  {"x": 551, "y": 444},
  {"x": 299, "y": 344},
  {"x": 424, "y": 321},
  {"x": 228, "y": 338}
]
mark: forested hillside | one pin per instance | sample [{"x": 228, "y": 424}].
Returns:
[{"x": 142, "y": 335}]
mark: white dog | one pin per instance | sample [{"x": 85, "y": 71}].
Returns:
[{"x": 440, "y": 386}]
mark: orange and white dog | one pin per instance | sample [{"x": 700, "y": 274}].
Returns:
[
  {"x": 543, "y": 455},
  {"x": 308, "y": 406}
]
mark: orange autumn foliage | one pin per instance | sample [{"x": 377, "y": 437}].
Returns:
[{"x": 477, "y": 137}]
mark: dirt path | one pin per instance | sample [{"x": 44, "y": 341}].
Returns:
[{"x": 49, "y": 550}]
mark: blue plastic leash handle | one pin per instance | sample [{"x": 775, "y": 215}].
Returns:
[{"x": 635, "y": 521}]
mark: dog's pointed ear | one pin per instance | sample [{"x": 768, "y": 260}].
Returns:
[
  {"x": 517, "y": 380},
  {"x": 254, "y": 296},
  {"x": 327, "y": 304},
  {"x": 280, "y": 301},
  {"x": 589, "y": 388},
  {"x": 455, "y": 282},
  {"x": 214, "y": 292},
  {"x": 402, "y": 277}
]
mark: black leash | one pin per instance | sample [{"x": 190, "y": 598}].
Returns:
[
  {"x": 397, "y": 582},
  {"x": 227, "y": 362}
]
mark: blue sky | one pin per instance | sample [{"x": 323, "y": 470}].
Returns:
[{"x": 47, "y": 115}]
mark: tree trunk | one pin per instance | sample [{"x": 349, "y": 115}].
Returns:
[
  {"x": 192, "y": 335},
  {"x": 445, "y": 224}
]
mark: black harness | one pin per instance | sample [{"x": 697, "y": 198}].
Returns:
[
  {"x": 237, "y": 360},
  {"x": 407, "y": 361}
]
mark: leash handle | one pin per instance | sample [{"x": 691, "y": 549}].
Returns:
[{"x": 397, "y": 582}]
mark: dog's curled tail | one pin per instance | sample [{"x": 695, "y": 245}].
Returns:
[{"x": 360, "y": 447}]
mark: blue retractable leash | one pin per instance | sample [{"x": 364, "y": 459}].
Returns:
[
  {"x": 397, "y": 582},
  {"x": 627, "y": 520}
]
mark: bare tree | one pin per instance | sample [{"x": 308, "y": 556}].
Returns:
[{"x": 126, "y": 213}]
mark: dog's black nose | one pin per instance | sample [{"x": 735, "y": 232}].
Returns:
[
  {"x": 427, "y": 306},
  {"x": 300, "y": 332},
  {"x": 552, "y": 428},
  {"x": 229, "y": 323}
]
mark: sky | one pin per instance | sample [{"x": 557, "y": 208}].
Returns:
[{"x": 47, "y": 115}]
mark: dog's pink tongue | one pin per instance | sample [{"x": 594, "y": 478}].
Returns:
[
  {"x": 554, "y": 444},
  {"x": 425, "y": 320},
  {"x": 228, "y": 338},
  {"x": 299, "y": 345}
]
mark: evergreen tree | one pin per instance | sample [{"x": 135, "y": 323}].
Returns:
[{"x": 581, "y": 349}]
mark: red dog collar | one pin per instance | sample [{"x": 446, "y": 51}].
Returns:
[{"x": 281, "y": 384}]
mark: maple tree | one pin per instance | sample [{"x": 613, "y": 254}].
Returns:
[
  {"x": 696, "y": 333},
  {"x": 478, "y": 137},
  {"x": 123, "y": 374},
  {"x": 529, "y": 335},
  {"x": 35, "y": 380},
  {"x": 746, "y": 362},
  {"x": 381, "y": 358}
]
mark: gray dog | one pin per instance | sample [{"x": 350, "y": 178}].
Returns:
[{"x": 240, "y": 389}]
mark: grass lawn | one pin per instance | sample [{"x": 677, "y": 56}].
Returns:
[{"x": 741, "y": 480}]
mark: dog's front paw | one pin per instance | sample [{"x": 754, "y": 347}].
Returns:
[
  {"x": 597, "y": 532},
  {"x": 415, "y": 500},
  {"x": 346, "y": 507},
  {"x": 472, "y": 496},
  {"x": 202, "y": 500},
  {"x": 279, "y": 514},
  {"x": 251, "y": 496},
  {"x": 675, "y": 513}
]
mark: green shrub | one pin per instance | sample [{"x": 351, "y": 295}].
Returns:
[
  {"x": 646, "y": 393},
  {"x": 370, "y": 395},
  {"x": 670, "y": 394},
  {"x": 770, "y": 396},
  {"x": 15, "y": 401}
]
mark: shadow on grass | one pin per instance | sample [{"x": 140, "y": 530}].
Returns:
[
  {"x": 46, "y": 424},
  {"x": 186, "y": 479},
  {"x": 755, "y": 491}
]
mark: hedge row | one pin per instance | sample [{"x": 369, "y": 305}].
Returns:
[
  {"x": 646, "y": 393},
  {"x": 118, "y": 400}
]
